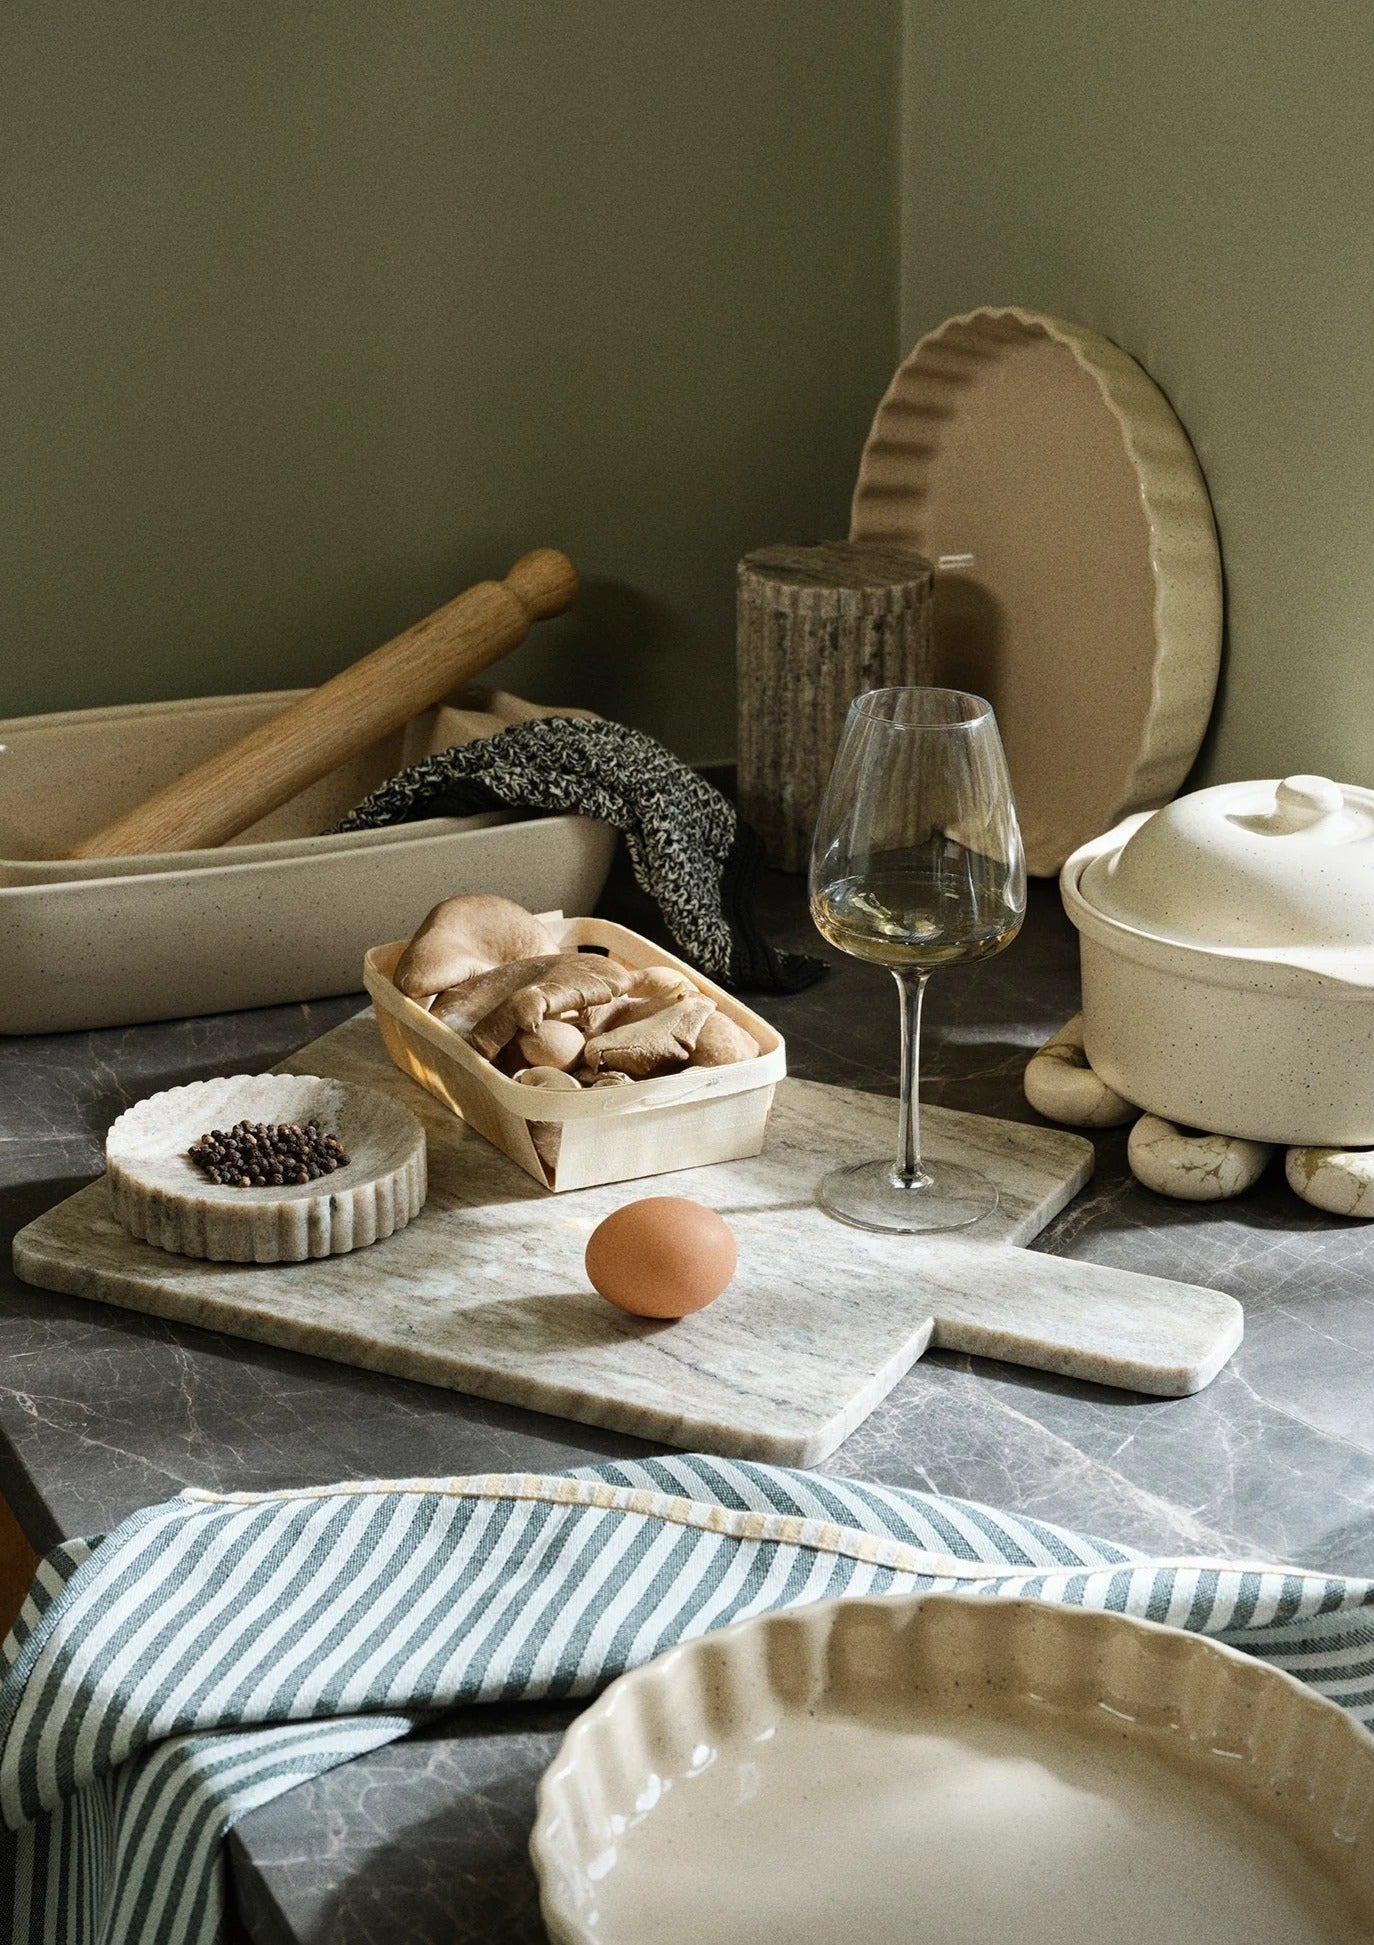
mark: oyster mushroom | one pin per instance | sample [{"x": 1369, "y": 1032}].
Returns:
[
  {"x": 556, "y": 1043},
  {"x": 651, "y": 989},
  {"x": 722, "y": 1042},
  {"x": 462, "y": 1006},
  {"x": 644, "y": 1047},
  {"x": 467, "y": 935},
  {"x": 572, "y": 982}
]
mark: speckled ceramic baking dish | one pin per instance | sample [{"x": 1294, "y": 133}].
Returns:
[
  {"x": 957, "y": 1769},
  {"x": 1227, "y": 951},
  {"x": 285, "y": 912}
]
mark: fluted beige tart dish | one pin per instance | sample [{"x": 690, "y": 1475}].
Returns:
[
  {"x": 956, "y": 1770},
  {"x": 1227, "y": 952},
  {"x": 1079, "y": 585}
]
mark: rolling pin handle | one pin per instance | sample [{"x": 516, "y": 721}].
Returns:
[
  {"x": 276, "y": 759},
  {"x": 544, "y": 582}
]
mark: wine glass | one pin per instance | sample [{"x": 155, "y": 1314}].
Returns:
[{"x": 916, "y": 864}]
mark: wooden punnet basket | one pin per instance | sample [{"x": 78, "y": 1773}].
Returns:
[{"x": 614, "y": 1134}]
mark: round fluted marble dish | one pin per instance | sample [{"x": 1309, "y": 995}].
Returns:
[
  {"x": 160, "y": 1196},
  {"x": 957, "y": 1769}
]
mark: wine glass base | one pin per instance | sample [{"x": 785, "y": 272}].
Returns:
[{"x": 870, "y": 1195}]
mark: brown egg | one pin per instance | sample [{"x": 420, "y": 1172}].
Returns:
[{"x": 661, "y": 1257}]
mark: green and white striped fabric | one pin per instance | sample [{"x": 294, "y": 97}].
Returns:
[{"x": 213, "y": 1651}]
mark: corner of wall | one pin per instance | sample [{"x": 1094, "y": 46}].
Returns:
[{"x": 903, "y": 160}]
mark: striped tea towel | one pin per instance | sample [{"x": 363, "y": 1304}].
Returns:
[{"x": 213, "y": 1651}]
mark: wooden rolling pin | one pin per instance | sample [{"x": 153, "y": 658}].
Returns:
[{"x": 232, "y": 790}]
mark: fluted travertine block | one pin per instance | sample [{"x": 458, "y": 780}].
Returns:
[{"x": 817, "y": 626}]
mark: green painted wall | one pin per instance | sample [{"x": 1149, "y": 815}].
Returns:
[
  {"x": 315, "y": 313},
  {"x": 1197, "y": 182}
]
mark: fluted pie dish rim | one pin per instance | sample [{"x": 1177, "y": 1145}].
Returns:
[{"x": 1250, "y": 1731}]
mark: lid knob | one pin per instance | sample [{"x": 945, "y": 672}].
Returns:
[{"x": 1300, "y": 802}]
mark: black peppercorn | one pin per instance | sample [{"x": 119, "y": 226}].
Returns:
[{"x": 257, "y": 1154}]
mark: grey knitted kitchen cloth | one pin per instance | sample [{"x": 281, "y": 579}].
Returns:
[{"x": 688, "y": 846}]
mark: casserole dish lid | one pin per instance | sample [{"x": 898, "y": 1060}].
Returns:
[{"x": 1278, "y": 870}]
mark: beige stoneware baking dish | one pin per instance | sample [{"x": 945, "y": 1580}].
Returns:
[
  {"x": 1227, "y": 950},
  {"x": 284, "y": 912},
  {"x": 617, "y": 1134},
  {"x": 957, "y": 1769}
]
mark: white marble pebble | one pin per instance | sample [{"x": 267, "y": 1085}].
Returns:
[
  {"x": 1061, "y": 1085},
  {"x": 485, "y": 1292},
  {"x": 1339, "y": 1180},
  {"x": 1193, "y": 1167}
]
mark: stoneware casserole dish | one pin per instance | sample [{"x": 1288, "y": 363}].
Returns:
[{"x": 1227, "y": 949}]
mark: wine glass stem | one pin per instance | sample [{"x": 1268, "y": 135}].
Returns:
[{"x": 909, "y": 1172}]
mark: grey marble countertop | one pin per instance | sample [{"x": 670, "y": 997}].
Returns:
[{"x": 102, "y": 1411}]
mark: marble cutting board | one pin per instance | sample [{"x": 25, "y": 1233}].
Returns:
[{"x": 483, "y": 1292}]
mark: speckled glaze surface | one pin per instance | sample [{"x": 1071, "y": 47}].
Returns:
[
  {"x": 1277, "y": 873},
  {"x": 1006, "y": 437},
  {"x": 285, "y": 913},
  {"x": 1227, "y": 952},
  {"x": 967, "y": 1768},
  {"x": 160, "y": 1196}
]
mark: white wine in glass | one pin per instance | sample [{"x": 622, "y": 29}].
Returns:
[{"x": 917, "y": 865}]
